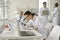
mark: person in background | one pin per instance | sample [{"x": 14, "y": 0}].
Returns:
[
  {"x": 36, "y": 23},
  {"x": 56, "y": 15},
  {"x": 21, "y": 17},
  {"x": 44, "y": 12}
]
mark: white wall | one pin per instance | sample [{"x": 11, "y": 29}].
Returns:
[{"x": 21, "y": 4}]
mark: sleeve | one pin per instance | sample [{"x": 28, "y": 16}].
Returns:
[
  {"x": 30, "y": 23},
  {"x": 41, "y": 11},
  {"x": 54, "y": 12}
]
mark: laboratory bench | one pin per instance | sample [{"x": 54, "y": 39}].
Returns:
[{"x": 30, "y": 34}]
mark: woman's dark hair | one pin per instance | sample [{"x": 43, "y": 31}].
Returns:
[
  {"x": 32, "y": 14},
  {"x": 44, "y": 2},
  {"x": 29, "y": 13},
  {"x": 56, "y": 4}
]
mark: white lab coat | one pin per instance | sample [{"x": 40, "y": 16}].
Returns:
[
  {"x": 37, "y": 22},
  {"x": 44, "y": 17},
  {"x": 56, "y": 16}
]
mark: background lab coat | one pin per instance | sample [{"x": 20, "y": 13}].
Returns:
[
  {"x": 56, "y": 16},
  {"x": 44, "y": 17},
  {"x": 37, "y": 22}
]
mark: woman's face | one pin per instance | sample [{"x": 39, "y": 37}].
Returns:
[
  {"x": 29, "y": 17},
  {"x": 44, "y": 5}
]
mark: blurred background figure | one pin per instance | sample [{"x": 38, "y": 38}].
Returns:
[
  {"x": 56, "y": 15},
  {"x": 21, "y": 16},
  {"x": 44, "y": 12}
]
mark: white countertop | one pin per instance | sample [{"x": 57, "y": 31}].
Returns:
[
  {"x": 7, "y": 34},
  {"x": 15, "y": 35}
]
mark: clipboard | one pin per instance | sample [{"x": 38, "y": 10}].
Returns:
[{"x": 45, "y": 12}]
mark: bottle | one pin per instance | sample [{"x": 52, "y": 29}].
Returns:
[{"x": 7, "y": 27}]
